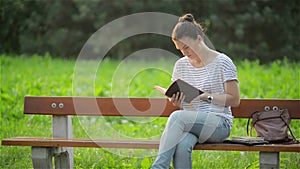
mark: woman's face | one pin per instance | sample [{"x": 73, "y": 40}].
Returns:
[{"x": 188, "y": 46}]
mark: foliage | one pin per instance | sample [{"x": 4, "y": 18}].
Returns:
[
  {"x": 36, "y": 75},
  {"x": 265, "y": 30}
]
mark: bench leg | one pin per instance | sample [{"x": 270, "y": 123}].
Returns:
[
  {"x": 269, "y": 160},
  {"x": 41, "y": 157},
  {"x": 63, "y": 158}
]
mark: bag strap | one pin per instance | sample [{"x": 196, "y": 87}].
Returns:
[
  {"x": 248, "y": 122},
  {"x": 294, "y": 138},
  {"x": 249, "y": 133},
  {"x": 248, "y": 127}
]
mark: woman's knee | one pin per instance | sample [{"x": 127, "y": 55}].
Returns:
[
  {"x": 183, "y": 115},
  {"x": 175, "y": 115}
]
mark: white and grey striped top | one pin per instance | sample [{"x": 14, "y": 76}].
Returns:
[{"x": 210, "y": 79}]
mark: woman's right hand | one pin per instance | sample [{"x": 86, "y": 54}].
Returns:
[{"x": 177, "y": 99}]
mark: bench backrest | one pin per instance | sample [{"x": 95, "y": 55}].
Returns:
[{"x": 99, "y": 106}]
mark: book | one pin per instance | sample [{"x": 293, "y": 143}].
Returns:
[
  {"x": 249, "y": 141},
  {"x": 187, "y": 89}
]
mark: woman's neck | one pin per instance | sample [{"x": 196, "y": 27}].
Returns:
[{"x": 206, "y": 56}]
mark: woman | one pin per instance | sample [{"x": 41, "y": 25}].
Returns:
[{"x": 208, "y": 117}]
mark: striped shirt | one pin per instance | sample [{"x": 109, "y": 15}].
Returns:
[{"x": 210, "y": 79}]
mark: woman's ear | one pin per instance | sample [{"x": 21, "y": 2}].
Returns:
[{"x": 199, "y": 38}]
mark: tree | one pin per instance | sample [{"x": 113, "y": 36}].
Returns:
[{"x": 264, "y": 30}]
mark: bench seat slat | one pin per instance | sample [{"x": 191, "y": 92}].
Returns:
[{"x": 139, "y": 144}]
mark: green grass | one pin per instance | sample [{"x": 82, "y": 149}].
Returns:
[{"x": 35, "y": 75}]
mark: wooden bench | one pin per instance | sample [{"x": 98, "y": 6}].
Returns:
[{"x": 60, "y": 145}]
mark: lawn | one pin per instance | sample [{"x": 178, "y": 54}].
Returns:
[{"x": 43, "y": 75}]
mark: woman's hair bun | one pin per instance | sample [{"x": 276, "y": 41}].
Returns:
[
  {"x": 187, "y": 17},
  {"x": 187, "y": 26}
]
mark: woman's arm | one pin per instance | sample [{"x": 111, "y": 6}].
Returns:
[{"x": 230, "y": 98}]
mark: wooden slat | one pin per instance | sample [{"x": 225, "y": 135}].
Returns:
[
  {"x": 92, "y": 106},
  {"x": 248, "y": 106},
  {"x": 95, "y": 106},
  {"x": 139, "y": 144}
]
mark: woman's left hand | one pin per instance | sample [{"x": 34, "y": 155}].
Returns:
[{"x": 203, "y": 96}]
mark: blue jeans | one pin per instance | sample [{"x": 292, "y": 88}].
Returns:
[{"x": 183, "y": 130}]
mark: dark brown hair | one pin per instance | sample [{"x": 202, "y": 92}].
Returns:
[{"x": 187, "y": 27}]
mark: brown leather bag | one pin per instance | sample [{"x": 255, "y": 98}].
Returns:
[{"x": 272, "y": 125}]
